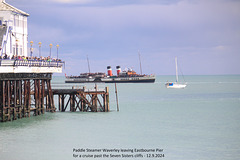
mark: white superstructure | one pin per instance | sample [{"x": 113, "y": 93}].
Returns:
[{"x": 14, "y": 30}]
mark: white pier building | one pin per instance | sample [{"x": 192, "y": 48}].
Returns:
[
  {"x": 13, "y": 22},
  {"x": 14, "y": 45}
]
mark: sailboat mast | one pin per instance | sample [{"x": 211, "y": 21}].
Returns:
[
  {"x": 88, "y": 65},
  {"x": 140, "y": 61},
  {"x": 176, "y": 69}
]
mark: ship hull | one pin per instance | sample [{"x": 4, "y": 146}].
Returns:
[
  {"x": 129, "y": 80},
  {"x": 150, "y": 79},
  {"x": 81, "y": 80}
]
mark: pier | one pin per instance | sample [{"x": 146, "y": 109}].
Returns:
[
  {"x": 22, "y": 93},
  {"x": 26, "y": 93},
  {"x": 82, "y": 99},
  {"x": 25, "y": 90}
]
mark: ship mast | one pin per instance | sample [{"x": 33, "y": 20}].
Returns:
[
  {"x": 140, "y": 62},
  {"x": 88, "y": 65},
  {"x": 176, "y": 69}
]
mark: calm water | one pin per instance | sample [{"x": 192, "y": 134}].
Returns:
[{"x": 200, "y": 122}]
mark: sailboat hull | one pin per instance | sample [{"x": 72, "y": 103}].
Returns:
[{"x": 175, "y": 85}]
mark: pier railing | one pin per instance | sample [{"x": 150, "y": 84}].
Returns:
[
  {"x": 30, "y": 66},
  {"x": 31, "y": 63}
]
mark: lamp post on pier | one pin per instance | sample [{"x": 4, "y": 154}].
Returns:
[
  {"x": 31, "y": 49},
  {"x": 40, "y": 44},
  {"x": 57, "y": 51},
  {"x": 50, "y": 45}
]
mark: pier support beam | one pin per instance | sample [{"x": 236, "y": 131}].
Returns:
[
  {"x": 82, "y": 100},
  {"x": 49, "y": 98},
  {"x": 18, "y": 98}
]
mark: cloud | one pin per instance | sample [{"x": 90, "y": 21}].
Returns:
[
  {"x": 105, "y": 3},
  {"x": 220, "y": 48},
  {"x": 75, "y": 1}
]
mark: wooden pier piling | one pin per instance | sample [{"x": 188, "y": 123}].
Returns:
[
  {"x": 23, "y": 93},
  {"x": 82, "y": 100}
]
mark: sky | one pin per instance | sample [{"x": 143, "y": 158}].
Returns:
[{"x": 203, "y": 34}]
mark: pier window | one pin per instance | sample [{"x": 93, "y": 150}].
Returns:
[
  {"x": 16, "y": 20},
  {"x": 25, "y": 22},
  {"x": 14, "y": 51},
  {"x": 1, "y": 21},
  {"x": 17, "y": 50},
  {"x": 20, "y": 22},
  {"x": 20, "y": 51}
]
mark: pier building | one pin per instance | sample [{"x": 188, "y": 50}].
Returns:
[
  {"x": 13, "y": 30},
  {"x": 14, "y": 56}
]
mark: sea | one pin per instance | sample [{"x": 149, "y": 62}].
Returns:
[{"x": 200, "y": 122}]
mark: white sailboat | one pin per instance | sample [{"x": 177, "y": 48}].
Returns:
[{"x": 176, "y": 84}]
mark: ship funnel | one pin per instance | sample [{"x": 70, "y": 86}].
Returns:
[
  {"x": 109, "y": 68},
  {"x": 118, "y": 70}
]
